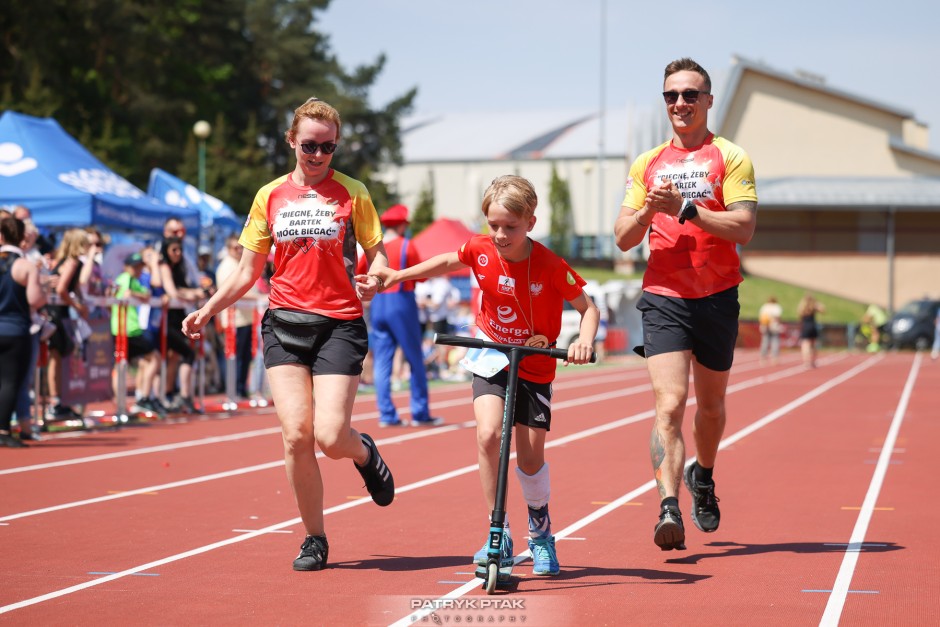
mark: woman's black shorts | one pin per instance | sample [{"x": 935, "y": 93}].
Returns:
[{"x": 337, "y": 346}]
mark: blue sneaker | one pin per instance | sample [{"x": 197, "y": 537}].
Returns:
[
  {"x": 479, "y": 558},
  {"x": 544, "y": 558}
]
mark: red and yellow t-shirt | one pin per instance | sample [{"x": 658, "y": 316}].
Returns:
[
  {"x": 510, "y": 313},
  {"x": 314, "y": 231},
  {"x": 685, "y": 261}
]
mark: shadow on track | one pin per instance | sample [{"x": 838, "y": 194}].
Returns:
[
  {"x": 736, "y": 549},
  {"x": 404, "y": 563},
  {"x": 568, "y": 578}
]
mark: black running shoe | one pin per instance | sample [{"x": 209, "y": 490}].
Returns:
[
  {"x": 189, "y": 407},
  {"x": 705, "y": 513},
  {"x": 150, "y": 405},
  {"x": 64, "y": 412},
  {"x": 376, "y": 474},
  {"x": 669, "y": 532},
  {"x": 7, "y": 440},
  {"x": 313, "y": 553}
]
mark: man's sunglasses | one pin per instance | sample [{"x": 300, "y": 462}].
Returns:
[
  {"x": 310, "y": 148},
  {"x": 689, "y": 95}
]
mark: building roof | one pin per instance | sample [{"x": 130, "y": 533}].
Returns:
[
  {"x": 921, "y": 193},
  {"x": 800, "y": 78},
  {"x": 528, "y": 134},
  {"x": 574, "y": 134}
]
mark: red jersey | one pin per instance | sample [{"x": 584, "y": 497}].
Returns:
[
  {"x": 314, "y": 231},
  {"x": 510, "y": 313},
  {"x": 685, "y": 261}
]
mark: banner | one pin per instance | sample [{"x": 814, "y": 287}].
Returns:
[{"x": 86, "y": 373}]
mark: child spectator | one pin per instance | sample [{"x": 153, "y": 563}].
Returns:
[{"x": 127, "y": 286}]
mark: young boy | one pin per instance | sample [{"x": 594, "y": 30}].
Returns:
[
  {"x": 127, "y": 285},
  {"x": 524, "y": 285}
]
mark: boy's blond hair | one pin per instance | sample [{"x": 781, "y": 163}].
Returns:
[{"x": 513, "y": 192}]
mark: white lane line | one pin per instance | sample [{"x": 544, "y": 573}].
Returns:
[
  {"x": 420, "y": 434},
  {"x": 219, "y": 475},
  {"x": 274, "y": 464},
  {"x": 463, "y": 399},
  {"x": 143, "y": 451},
  {"x": 840, "y": 589},
  {"x": 578, "y": 381},
  {"x": 252, "y": 530},
  {"x": 473, "y": 584},
  {"x": 294, "y": 521}
]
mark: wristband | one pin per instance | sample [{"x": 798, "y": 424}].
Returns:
[{"x": 638, "y": 220}]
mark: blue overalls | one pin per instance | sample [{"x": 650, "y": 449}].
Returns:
[{"x": 394, "y": 316}]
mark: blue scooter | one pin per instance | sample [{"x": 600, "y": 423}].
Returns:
[{"x": 493, "y": 574}]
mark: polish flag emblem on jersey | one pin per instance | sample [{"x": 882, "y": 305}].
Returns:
[{"x": 507, "y": 284}]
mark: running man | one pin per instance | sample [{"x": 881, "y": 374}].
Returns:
[{"x": 696, "y": 196}]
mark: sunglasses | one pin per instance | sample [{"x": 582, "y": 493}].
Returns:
[
  {"x": 689, "y": 95},
  {"x": 310, "y": 148}
]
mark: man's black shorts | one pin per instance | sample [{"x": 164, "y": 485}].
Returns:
[
  {"x": 338, "y": 347},
  {"x": 707, "y": 326},
  {"x": 533, "y": 400}
]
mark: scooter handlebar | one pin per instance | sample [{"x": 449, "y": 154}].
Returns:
[{"x": 474, "y": 342}]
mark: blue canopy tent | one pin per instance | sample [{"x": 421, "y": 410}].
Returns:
[
  {"x": 45, "y": 169},
  {"x": 214, "y": 214}
]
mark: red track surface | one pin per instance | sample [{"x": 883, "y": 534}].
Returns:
[{"x": 824, "y": 480}]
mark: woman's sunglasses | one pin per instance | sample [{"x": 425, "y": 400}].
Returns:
[{"x": 310, "y": 148}]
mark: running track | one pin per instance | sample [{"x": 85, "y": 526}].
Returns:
[{"x": 826, "y": 478}]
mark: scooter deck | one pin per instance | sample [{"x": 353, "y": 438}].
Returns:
[{"x": 502, "y": 579}]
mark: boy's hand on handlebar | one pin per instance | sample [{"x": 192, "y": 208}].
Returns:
[{"x": 579, "y": 353}]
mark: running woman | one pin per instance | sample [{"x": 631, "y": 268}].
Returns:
[{"x": 314, "y": 334}]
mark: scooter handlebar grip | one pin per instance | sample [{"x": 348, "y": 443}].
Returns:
[
  {"x": 560, "y": 353},
  {"x": 474, "y": 342},
  {"x": 458, "y": 340}
]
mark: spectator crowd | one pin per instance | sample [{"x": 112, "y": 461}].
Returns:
[
  {"x": 156, "y": 286},
  {"x": 144, "y": 297}
]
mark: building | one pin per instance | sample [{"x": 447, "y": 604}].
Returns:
[{"x": 849, "y": 192}]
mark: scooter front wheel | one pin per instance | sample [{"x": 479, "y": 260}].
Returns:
[{"x": 492, "y": 575}]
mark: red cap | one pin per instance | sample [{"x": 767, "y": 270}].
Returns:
[{"x": 395, "y": 215}]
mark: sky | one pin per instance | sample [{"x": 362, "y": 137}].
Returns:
[{"x": 511, "y": 55}]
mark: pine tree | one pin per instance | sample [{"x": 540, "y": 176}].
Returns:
[{"x": 562, "y": 223}]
